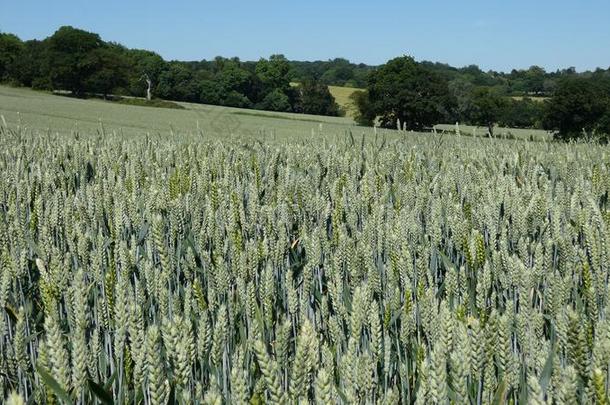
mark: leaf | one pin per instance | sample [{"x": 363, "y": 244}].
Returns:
[
  {"x": 500, "y": 396},
  {"x": 53, "y": 385},
  {"x": 545, "y": 376},
  {"x": 11, "y": 313},
  {"x": 100, "y": 393},
  {"x": 449, "y": 265},
  {"x": 110, "y": 381}
]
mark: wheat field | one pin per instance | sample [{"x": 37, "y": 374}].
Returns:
[{"x": 335, "y": 267}]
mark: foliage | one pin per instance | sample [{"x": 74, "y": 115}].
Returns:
[
  {"x": 176, "y": 83},
  {"x": 406, "y": 92},
  {"x": 523, "y": 113},
  {"x": 579, "y": 106},
  {"x": 11, "y": 50},
  {"x": 276, "y": 100},
  {"x": 365, "y": 114},
  {"x": 110, "y": 73},
  {"x": 315, "y": 98},
  {"x": 68, "y": 62},
  {"x": 274, "y": 73},
  {"x": 487, "y": 108}
]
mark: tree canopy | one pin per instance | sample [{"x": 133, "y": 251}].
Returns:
[
  {"x": 316, "y": 98},
  {"x": 487, "y": 108},
  {"x": 405, "y": 91},
  {"x": 580, "y": 106}
]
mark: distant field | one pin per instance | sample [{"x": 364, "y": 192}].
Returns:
[
  {"x": 499, "y": 132},
  {"x": 342, "y": 96},
  {"x": 44, "y": 111}
]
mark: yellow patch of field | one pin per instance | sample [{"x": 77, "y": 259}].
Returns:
[{"x": 342, "y": 96}]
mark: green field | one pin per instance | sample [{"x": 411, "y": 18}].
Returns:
[
  {"x": 214, "y": 255},
  {"x": 44, "y": 111},
  {"x": 499, "y": 132}
]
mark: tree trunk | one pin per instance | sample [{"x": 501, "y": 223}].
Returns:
[
  {"x": 148, "y": 91},
  {"x": 490, "y": 128}
]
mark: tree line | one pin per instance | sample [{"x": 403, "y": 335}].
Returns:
[
  {"x": 410, "y": 95},
  {"x": 82, "y": 63}
]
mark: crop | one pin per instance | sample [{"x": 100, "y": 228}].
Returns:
[{"x": 412, "y": 268}]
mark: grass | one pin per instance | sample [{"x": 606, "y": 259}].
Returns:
[
  {"x": 342, "y": 96},
  {"x": 277, "y": 116},
  {"x": 43, "y": 111},
  {"x": 499, "y": 132}
]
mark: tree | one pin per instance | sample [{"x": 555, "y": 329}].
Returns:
[
  {"x": 579, "y": 105},
  {"x": 462, "y": 90},
  {"x": 525, "y": 113},
  {"x": 68, "y": 63},
  {"x": 237, "y": 99},
  {"x": 177, "y": 83},
  {"x": 365, "y": 115},
  {"x": 11, "y": 50},
  {"x": 29, "y": 68},
  {"x": 109, "y": 70},
  {"x": 147, "y": 67},
  {"x": 233, "y": 78},
  {"x": 403, "y": 90},
  {"x": 211, "y": 92},
  {"x": 275, "y": 101},
  {"x": 487, "y": 108},
  {"x": 339, "y": 73},
  {"x": 274, "y": 73},
  {"x": 316, "y": 99}
]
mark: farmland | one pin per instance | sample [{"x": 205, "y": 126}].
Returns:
[
  {"x": 342, "y": 97},
  {"x": 216, "y": 255}
]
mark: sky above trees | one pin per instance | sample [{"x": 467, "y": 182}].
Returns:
[{"x": 494, "y": 34}]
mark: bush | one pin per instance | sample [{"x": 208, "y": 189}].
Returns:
[
  {"x": 275, "y": 101},
  {"x": 152, "y": 103}
]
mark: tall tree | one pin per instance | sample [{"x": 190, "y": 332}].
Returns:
[
  {"x": 316, "y": 98},
  {"x": 11, "y": 50},
  {"x": 147, "y": 68},
  {"x": 487, "y": 108},
  {"x": 176, "y": 83},
  {"x": 69, "y": 64},
  {"x": 274, "y": 73},
  {"x": 403, "y": 90},
  {"x": 110, "y": 70},
  {"x": 579, "y": 105}
]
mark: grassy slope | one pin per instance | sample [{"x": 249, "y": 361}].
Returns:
[
  {"x": 44, "y": 111},
  {"x": 468, "y": 130}
]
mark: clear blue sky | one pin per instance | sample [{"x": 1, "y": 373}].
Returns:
[{"x": 495, "y": 34}]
